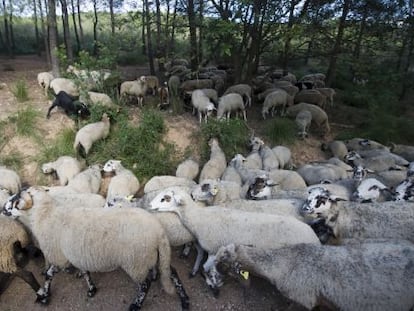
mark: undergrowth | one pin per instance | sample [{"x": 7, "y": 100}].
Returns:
[{"x": 19, "y": 91}]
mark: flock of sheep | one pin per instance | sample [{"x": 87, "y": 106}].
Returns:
[{"x": 335, "y": 233}]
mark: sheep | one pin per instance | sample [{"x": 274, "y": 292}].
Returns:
[
  {"x": 152, "y": 84},
  {"x": 164, "y": 96},
  {"x": 97, "y": 98},
  {"x": 261, "y": 188},
  {"x": 157, "y": 183},
  {"x": 244, "y": 90},
  {"x": 229, "y": 103},
  {"x": 319, "y": 116},
  {"x": 90, "y": 133},
  {"x": 314, "y": 173},
  {"x": 137, "y": 88},
  {"x": 261, "y": 96},
  {"x": 173, "y": 86},
  {"x": 124, "y": 183},
  {"x": 66, "y": 167},
  {"x": 231, "y": 174},
  {"x": 4, "y": 196},
  {"x": 88, "y": 181},
  {"x": 407, "y": 152},
  {"x": 359, "y": 144},
  {"x": 216, "y": 165},
  {"x": 311, "y": 97},
  {"x": 189, "y": 168},
  {"x": 66, "y": 85},
  {"x": 212, "y": 94},
  {"x": 69, "y": 105},
  {"x": 378, "y": 163},
  {"x": 254, "y": 159},
  {"x": 202, "y": 104},
  {"x": 292, "y": 90},
  {"x": 12, "y": 235},
  {"x": 274, "y": 100},
  {"x": 44, "y": 79},
  {"x": 61, "y": 245},
  {"x": 214, "y": 227},
  {"x": 404, "y": 191},
  {"x": 303, "y": 121},
  {"x": 329, "y": 94},
  {"x": 337, "y": 148},
  {"x": 191, "y": 85},
  {"x": 313, "y": 77},
  {"x": 9, "y": 180},
  {"x": 269, "y": 159},
  {"x": 379, "y": 278},
  {"x": 215, "y": 192},
  {"x": 371, "y": 190},
  {"x": 91, "y": 79}
]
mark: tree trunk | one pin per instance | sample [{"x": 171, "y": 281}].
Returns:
[
  {"x": 150, "y": 52},
  {"x": 200, "y": 32},
  {"x": 193, "y": 34},
  {"x": 95, "y": 28},
  {"x": 53, "y": 37},
  {"x": 45, "y": 34},
  {"x": 66, "y": 31},
  {"x": 288, "y": 39},
  {"x": 331, "y": 72},
  {"x": 75, "y": 28},
  {"x": 36, "y": 29},
  {"x": 80, "y": 22},
  {"x": 144, "y": 41},
  {"x": 160, "y": 41},
  {"x": 111, "y": 12},
  {"x": 12, "y": 40},
  {"x": 6, "y": 30},
  {"x": 171, "y": 45}
]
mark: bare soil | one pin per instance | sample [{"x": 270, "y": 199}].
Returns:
[{"x": 115, "y": 289}]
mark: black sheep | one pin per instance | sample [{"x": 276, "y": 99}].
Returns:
[{"x": 70, "y": 105}]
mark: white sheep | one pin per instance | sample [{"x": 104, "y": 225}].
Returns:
[
  {"x": 406, "y": 151},
  {"x": 191, "y": 85},
  {"x": 337, "y": 148},
  {"x": 254, "y": 159},
  {"x": 97, "y": 98},
  {"x": 231, "y": 174},
  {"x": 229, "y": 103},
  {"x": 157, "y": 183},
  {"x": 274, "y": 100},
  {"x": 215, "y": 192},
  {"x": 66, "y": 85},
  {"x": 376, "y": 161},
  {"x": 366, "y": 276},
  {"x": 152, "y": 84},
  {"x": 173, "y": 86},
  {"x": 135, "y": 237},
  {"x": 244, "y": 90},
  {"x": 312, "y": 96},
  {"x": 358, "y": 144},
  {"x": 214, "y": 226},
  {"x": 66, "y": 167},
  {"x": 303, "y": 121},
  {"x": 137, "y": 88},
  {"x": 44, "y": 79},
  {"x": 319, "y": 116},
  {"x": 202, "y": 104},
  {"x": 371, "y": 190},
  {"x": 124, "y": 183},
  {"x": 189, "y": 168},
  {"x": 314, "y": 173},
  {"x": 88, "y": 181},
  {"x": 12, "y": 233},
  {"x": 216, "y": 165},
  {"x": 269, "y": 159},
  {"x": 329, "y": 93},
  {"x": 90, "y": 133},
  {"x": 9, "y": 180},
  {"x": 284, "y": 155}
]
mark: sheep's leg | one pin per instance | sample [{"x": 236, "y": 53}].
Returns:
[
  {"x": 244, "y": 115},
  {"x": 199, "y": 258},
  {"x": 43, "y": 293},
  {"x": 185, "y": 301},
  {"x": 29, "y": 278},
  {"x": 209, "y": 262},
  {"x": 214, "y": 280},
  {"x": 186, "y": 250},
  {"x": 91, "y": 285},
  {"x": 143, "y": 289}
]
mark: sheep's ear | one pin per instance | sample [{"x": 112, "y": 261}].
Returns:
[{"x": 335, "y": 198}]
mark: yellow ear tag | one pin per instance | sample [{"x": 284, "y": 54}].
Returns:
[
  {"x": 244, "y": 274},
  {"x": 214, "y": 191},
  {"x": 129, "y": 198}
]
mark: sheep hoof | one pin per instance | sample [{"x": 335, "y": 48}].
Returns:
[
  {"x": 192, "y": 274},
  {"x": 216, "y": 291},
  {"x": 185, "y": 305},
  {"x": 134, "y": 307},
  {"x": 92, "y": 292},
  {"x": 43, "y": 299}
]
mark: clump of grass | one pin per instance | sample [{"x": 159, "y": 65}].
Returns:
[
  {"x": 25, "y": 121},
  {"x": 19, "y": 91},
  {"x": 12, "y": 160},
  {"x": 232, "y": 136},
  {"x": 280, "y": 131},
  {"x": 62, "y": 145}
]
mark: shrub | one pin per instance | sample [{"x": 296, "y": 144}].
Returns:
[{"x": 19, "y": 91}]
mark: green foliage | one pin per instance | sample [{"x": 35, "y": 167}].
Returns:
[
  {"x": 232, "y": 136},
  {"x": 24, "y": 121},
  {"x": 12, "y": 160},
  {"x": 62, "y": 145},
  {"x": 19, "y": 91},
  {"x": 280, "y": 131}
]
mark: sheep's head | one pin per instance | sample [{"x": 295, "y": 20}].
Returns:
[
  {"x": 369, "y": 191},
  {"x": 255, "y": 143},
  {"x": 261, "y": 188},
  {"x": 48, "y": 168},
  {"x": 226, "y": 262},
  {"x": 404, "y": 191},
  {"x": 166, "y": 201},
  {"x": 16, "y": 203},
  {"x": 319, "y": 201},
  {"x": 205, "y": 191},
  {"x": 111, "y": 166},
  {"x": 351, "y": 156},
  {"x": 359, "y": 173},
  {"x": 237, "y": 160},
  {"x": 82, "y": 110}
]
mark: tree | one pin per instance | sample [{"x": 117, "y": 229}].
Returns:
[
  {"x": 45, "y": 32},
  {"x": 53, "y": 37},
  {"x": 66, "y": 31},
  {"x": 193, "y": 34},
  {"x": 150, "y": 52},
  {"x": 75, "y": 28},
  {"x": 7, "y": 30},
  {"x": 95, "y": 27},
  {"x": 36, "y": 28}
]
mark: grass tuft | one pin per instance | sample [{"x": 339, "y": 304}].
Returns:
[{"x": 19, "y": 91}]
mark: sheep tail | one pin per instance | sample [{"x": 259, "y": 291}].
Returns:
[
  {"x": 80, "y": 150},
  {"x": 164, "y": 260}
]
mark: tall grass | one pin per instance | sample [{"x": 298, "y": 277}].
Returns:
[
  {"x": 19, "y": 91},
  {"x": 24, "y": 121},
  {"x": 280, "y": 131}
]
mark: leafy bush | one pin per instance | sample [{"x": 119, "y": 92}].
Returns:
[
  {"x": 24, "y": 121},
  {"x": 19, "y": 91},
  {"x": 232, "y": 136}
]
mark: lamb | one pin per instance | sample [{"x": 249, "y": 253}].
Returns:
[
  {"x": 137, "y": 88},
  {"x": 380, "y": 278},
  {"x": 214, "y": 227},
  {"x": 215, "y": 192},
  {"x": 91, "y": 133},
  {"x": 13, "y": 234},
  {"x": 66, "y": 85},
  {"x": 61, "y": 244},
  {"x": 319, "y": 116},
  {"x": 311, "y": 97},
  {"x": 329, "y": 94},
  {"x": 189, "y": 168},
  {"x": 44, "y": 79},
  {"x": 124, "y": 183},
  {"x": 229, "y": 103},
  {"x": 276, "y": 99},
  {"x": 69, "y": 105},
  {"x": 303, "y": 121},
  {"x": 152, "y": 84},
  {"x": 88, "y": 181},
  {"x": 216, "y": 165},
  {"x": 66, "y": 167},
  {"x": 9, "y": 180},
  {"x": 244, "y": 90},
  {"x": 202, "y": 104}
]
